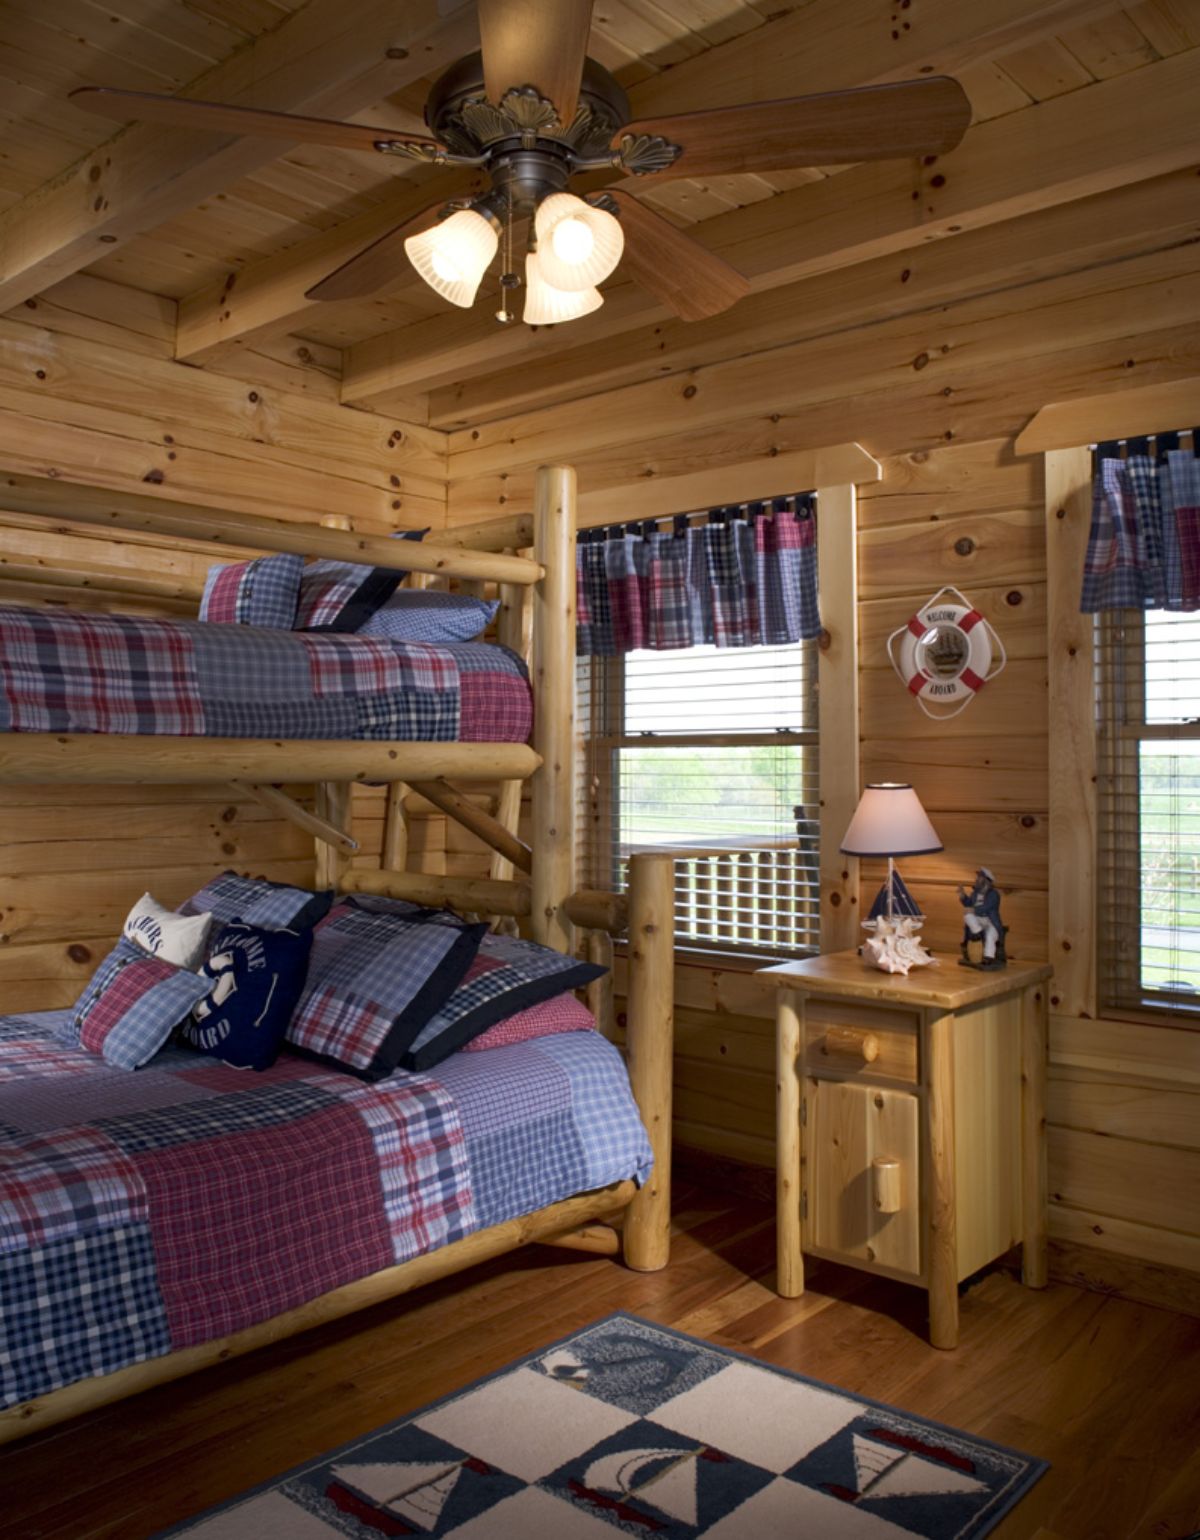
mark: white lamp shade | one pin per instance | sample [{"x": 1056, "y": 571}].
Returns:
[
  {"x": 890, "y": 821},
  {"x": 453, "y": 256},
  {"x": 546, "y": 305},
  {"x": 578, "y": 245}
]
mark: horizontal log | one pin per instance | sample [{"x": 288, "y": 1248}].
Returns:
[
  {"x": 594, "y": 909},
  {"x": 1124, "y": 414},
  {"x": 83, "y": 505},
  {"x": 477, "y": 821},
  {"x": 472, "y": 895},
  {"x": 111, "y": 581},
  {"x": 137, "y": 759}
]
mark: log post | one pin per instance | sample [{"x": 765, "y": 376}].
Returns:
[
  {"x": 553, "y": 785},
  {"x": 334, "y": 809},
  {"x": 651, "y": 1050}
]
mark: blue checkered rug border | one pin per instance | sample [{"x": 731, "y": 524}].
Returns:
[{"x": 630, "y": 1428}]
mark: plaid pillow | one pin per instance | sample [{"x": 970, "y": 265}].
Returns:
[
  {"x": 133, "y": 1004},
  {"x": 255, "y": 977},
  {"x": 375, "y": 978},
  {"x": 425, "y": 615},
  {"x": 507, "y": 975},
  {"x": 341, "y": 595},
  {"x": 262, "y": 592},
  {"x": 564, "y": 1013},
  {"x": 274, "y": 905}
]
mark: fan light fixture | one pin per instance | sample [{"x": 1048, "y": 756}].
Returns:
[
  {"x": 546, "y": 304},
  {"x": 453, "y": 256},
  {"x": 578, "y": 245}
]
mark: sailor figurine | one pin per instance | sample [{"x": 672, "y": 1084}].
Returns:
[{"x": 982, "y": 920}]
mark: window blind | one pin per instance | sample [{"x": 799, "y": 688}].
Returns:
[
  {"x": 1148, "y": 704},
  {"x": 711, "y": 754}
]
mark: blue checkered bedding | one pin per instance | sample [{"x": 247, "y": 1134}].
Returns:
[
  {"x": 145, "y": 1213},
  {"x": 88, "y": 673}
]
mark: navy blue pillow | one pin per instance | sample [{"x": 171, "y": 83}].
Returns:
[{"x": 257, "y": 977}]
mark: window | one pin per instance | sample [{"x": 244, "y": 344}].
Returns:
[
  {"x": 1148, "y": 669},
  {"x": 710, "y": 753}
]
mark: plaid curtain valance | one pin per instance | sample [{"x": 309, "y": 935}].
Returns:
[
  {"x": 1144, "y": 546},
  {"x": 745, "y": 576}
]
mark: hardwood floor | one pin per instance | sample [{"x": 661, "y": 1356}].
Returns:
[{"x": 1104, "y": 1389}]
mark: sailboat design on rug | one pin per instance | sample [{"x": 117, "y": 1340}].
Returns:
[
  {"x": 416, "y": 1493},
  {"x": 666, "y": 1478},
  {"x": 882, "y": 1470}
]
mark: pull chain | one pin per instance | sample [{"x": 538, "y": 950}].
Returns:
[{"x": 508, "y": 279}]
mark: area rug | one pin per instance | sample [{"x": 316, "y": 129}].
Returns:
[{"x": 629, "y": 1428}]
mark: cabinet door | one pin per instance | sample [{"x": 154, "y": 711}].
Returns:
[{"x": 847, "y": 1127}]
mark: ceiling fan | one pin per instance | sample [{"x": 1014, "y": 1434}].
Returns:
[{"x": 531, "y": 111}]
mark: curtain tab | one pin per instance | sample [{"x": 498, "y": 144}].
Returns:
[
  {"x": 1109, "y": 450},
  {"x": 1166, "y": 444}
]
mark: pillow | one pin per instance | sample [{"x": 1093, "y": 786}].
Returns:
[
  {"x": 375, "y": 978},
  {"x": 133, "y": 1004},
  {"x": 274, "y": 905},
  {"x": 256, "y": 977},
  {"x": 262, "y": 592},
  {"x": 507, "y": 975},
  {"x": 564, "y": 1013},
  {"x": 176, "y": 938},
  {"x": 425, "y": 615},
  {"x": 341, "y": 595}
]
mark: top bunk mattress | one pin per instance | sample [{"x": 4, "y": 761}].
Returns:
[{"x": 89, "y": 673}]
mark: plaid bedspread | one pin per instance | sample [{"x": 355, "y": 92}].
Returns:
[
  {"x": 89, "y": 673},
  {"x": 145, "y": 1212}
]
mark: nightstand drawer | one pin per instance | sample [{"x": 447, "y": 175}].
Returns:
[{"x": 863, "y": 1043}]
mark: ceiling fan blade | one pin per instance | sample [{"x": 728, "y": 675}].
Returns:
[
  {"x": 912, "y": 117},
  {"x": 530, "y": 43},
  {"x": 217, "y": 118},
  {"x": 378, "y": 266},
  {"x": 680, "y": 273}
]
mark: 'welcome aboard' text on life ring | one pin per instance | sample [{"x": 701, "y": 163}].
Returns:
[{"x": 945, "y": 653}]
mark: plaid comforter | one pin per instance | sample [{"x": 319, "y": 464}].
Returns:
[
  {"x": 77, "y": 673},
  {"x": 143, "y": 1213}
]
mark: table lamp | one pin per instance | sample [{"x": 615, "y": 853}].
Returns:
[{"x": 890, "y": 821}]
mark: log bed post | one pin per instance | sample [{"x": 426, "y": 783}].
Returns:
[
  {"x": 553, "y": 784},
  {"x": 651, "y": 1050}
]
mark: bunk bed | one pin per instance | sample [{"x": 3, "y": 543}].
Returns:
[{"x": 534, "y": 882}]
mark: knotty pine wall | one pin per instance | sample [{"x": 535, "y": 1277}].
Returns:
[{"x": 89, "y": 393}]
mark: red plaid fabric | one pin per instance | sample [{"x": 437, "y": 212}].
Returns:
[
  {"x": 240, "y": 1236},
  {"x": 221, "y": 595},
  {"x": 565, "y": 1013},
  {"x": 496, "y": 708}
]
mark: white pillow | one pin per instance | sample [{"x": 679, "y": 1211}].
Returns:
[{"x": 176, "y": 938}]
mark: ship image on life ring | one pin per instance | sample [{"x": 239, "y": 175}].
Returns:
[{"x": 945, "y": 654}]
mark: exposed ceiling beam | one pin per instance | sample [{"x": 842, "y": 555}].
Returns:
[
  {"x": 833, "y": 43},
  {"x": 329, "y": 58},
  {"x": 1143, "y": 217},
  {"x": 1059, "y": 150},
  {"x": 931, "y": 353}
]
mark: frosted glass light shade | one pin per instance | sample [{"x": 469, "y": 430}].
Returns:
[
  {"x": 890, "y": 821},
  {"x": 578, "y": 245},
  {"x": 546, "y": 305},
  {"x": 453, "y": 256}
]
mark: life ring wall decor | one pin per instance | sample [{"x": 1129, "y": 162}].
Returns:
[{"x": 946, "y": 654}]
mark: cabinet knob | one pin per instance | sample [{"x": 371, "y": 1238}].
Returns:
[
  {"x": 885, "y": 1175},
  {"x": 853, "y": 1042}
]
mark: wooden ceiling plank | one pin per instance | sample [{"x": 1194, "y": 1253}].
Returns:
[
  {"x": 1128, "y": 221},
  {"x": 1142, "y": 294},
  {"x": 1000, "y": 171},
  {"x": 833, "y": 44},
  {"x": 328, "y": 58}
]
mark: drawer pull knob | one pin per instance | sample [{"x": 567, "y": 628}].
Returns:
[
  {"x": 852, "y": 1042},
  {"x": 885, "y": 1173}
]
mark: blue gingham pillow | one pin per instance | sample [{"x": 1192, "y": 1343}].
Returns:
[
  {"x": 342, "y": 595},
  {"x": 259, "y": 902},
  {"x": 426, "y": 615},
  {"x": 507, "y": 975},
  {"x": 263, "y": 592},
  {"x": 132, "y": 1005},
  {"x": 375, "y": 978}
]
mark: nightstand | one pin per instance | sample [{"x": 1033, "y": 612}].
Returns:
[{"x": 910, "y": 1122}]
